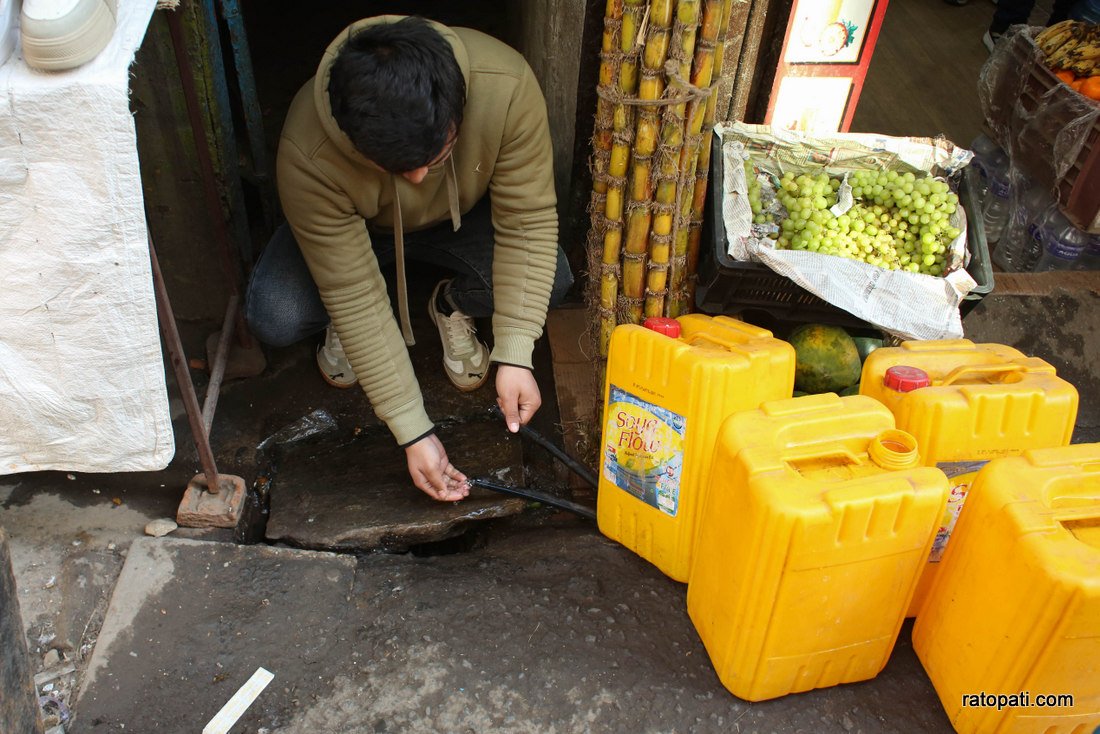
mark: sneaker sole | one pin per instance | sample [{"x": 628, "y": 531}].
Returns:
[
  {"x": 44, "y": 48},
  {"x": 334, "y": 383},
  {"x": 329, "y": 380},
  {"x": 467, "y": 388}
]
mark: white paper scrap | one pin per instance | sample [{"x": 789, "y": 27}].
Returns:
[{"x": 236, "y": 706}]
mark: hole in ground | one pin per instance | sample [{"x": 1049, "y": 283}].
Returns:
[{"x": 472, "y": 538}]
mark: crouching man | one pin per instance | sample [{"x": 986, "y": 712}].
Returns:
[{"x": 422, "y": 143}]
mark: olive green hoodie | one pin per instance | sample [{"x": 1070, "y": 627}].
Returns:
[{"x": 328, "y": 190}]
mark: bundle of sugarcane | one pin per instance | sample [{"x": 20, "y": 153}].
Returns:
[
  {"x": 707, "y": 60},
  {"x": 614, "y": 134},
  {"x": 669, "y": 157},
  {"x": 645, "y": 153},
  {"x": 645, "y": 144},
  {"x": 702, "y": 168}
]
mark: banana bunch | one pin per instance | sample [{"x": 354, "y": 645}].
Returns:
[{"x": 1072, "y": 46}]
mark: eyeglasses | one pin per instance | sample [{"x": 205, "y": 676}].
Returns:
[{"x": 447, "y": 150}]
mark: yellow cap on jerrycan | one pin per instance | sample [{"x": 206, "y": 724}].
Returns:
[
  {"x": 1014, "y": 613},
  {"x": 967, "y": 403},
  {"x": 668, "y": 389},
  {"x": 816, "y": 524}
]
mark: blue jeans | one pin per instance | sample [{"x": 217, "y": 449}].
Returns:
[{"x": 282, "y": 305}]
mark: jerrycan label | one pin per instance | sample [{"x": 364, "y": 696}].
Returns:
[
  {"x": 644, "y": 451},
  {"x": 960, "y": 475}
]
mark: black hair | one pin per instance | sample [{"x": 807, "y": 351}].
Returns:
[{"x": 397, "y": 92}]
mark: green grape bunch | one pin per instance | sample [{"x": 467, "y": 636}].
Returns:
[{"x": 897, "y": 221}]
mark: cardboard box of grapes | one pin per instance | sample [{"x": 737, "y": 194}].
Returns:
[{"x": 871, "y": 224}]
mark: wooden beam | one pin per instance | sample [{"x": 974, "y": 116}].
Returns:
[{"x": 1045, "y": 284}]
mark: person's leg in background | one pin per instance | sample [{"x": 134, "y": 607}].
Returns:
[
  {"x": 1014, "y": 12},
  {"x": 469, "y": 252},
  {"x": 282, "y": 306},
  {"x": 1060, "y": 11},
  {"x": 457, "y": 301}
]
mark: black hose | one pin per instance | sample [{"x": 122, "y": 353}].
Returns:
[
  {"x": 572, "y": 464},
  {"x": 533, "y": 494}
]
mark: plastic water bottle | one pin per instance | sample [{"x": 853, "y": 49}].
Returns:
[
  {"x": 1033, "y": 244},
  {"x": 996, "y": 206},
  {"x": 1062, "y": 243},
  {"x": 986, "y": 155},
  {"x": 1090, "y": 258},
  {"x": 1019, "y": 234}
]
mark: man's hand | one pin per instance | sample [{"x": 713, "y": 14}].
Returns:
[
  {"x": 517, "y": 395},
  {"x": 433, "y": 473}
]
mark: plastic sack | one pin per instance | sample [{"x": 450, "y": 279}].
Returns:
[
  {"x": 81, "y": 375},
  {"x": 908, "y": 305},
  {"x": 1039, "y": 121}
]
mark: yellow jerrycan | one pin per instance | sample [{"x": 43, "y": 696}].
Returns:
[
  {"x": 669, "y": 386},
  {"x": 817, "y": 522},
  {"x": 1010, "y": 632},
  {"x": 967, "y": 403}
]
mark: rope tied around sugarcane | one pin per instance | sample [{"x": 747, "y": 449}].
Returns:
[
  {"x": 624, "y": 306},
  {"x": 623, "y": 137},
  {"x": 617, "y": 182},
  {"x": 688, "y": 91}
]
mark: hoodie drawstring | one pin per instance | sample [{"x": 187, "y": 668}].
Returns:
[
  {"x": 399, "y": 247},
  {"x": 399, "y": 243},
  {"x": 452, "y": 193}
]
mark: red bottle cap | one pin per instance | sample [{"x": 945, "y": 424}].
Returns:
[
  {"x": 662, "y": 325},
  {"x": 905, "y": 379}
]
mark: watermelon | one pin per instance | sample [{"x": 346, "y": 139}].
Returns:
[
  {"x": 865, "y": 345},
  {"x": 826, "y": 358}
]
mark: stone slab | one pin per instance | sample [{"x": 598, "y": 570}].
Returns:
[
  {"x": 357, "y": 495},
  {"x": 190, "y": 621},
  {"x": 19, "y": 703}
]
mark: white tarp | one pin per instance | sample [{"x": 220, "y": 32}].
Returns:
[
  {"x": 81, "y": 376},
  {"x": 910, "y": 305}
]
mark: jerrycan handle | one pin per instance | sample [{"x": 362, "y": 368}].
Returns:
[
  {"x": 702, "y": 336},
  {"x": 979, "y": 369},
  {"x": 938, "y": 345},
  {"x": 812, "y": 459},
  {"x": 1076, "y": 514}
]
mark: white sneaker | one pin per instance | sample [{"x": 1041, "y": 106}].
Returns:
[
  {"x": 465, "y": 358},
  {"x": 63, "y": 34},
  {"x": 333, "y": 363},
  {"x": 9, "y": 30}
]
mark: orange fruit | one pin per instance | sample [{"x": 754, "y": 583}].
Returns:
[
  {"x": 1067, "y": 76},
  {"x": 1091, "y": 87},
  {"x": 1077, "y": 85}
]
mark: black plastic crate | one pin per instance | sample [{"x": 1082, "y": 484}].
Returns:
[{"x": 728, "y": 286}]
